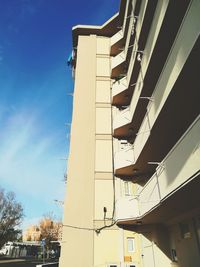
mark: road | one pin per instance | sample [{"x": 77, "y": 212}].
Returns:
[{"x": 19, "y": 263}]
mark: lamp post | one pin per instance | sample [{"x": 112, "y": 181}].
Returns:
[{"x": 43, "y": 242}]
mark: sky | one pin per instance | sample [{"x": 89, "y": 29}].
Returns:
[{"x": 35, "y": 100}]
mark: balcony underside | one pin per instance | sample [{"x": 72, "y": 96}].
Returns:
[
  {"x": 119, "y": 71},
  {"x": 180, "y": 110},
  {"x": 124, "y": 98},
  {"x": 115, "y": 48},
  {"x": 171, "y": 209}
]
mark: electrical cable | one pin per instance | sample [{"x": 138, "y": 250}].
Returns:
[{"x": 80, "y": 228}]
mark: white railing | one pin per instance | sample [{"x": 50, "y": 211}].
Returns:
[
  {"x": 179, "y": 167},
  {"x": 120, "y": 34},
  {"x": 116, "y": 37},
  {"x": 126, "y": 208},
  {"x": 120, "y": 58},
  {"x": 123, "y": 84},
  {"x": 173, "y": 66},
  {"x": 151, "y": 41},
  {"x": 117, "y": 60}
]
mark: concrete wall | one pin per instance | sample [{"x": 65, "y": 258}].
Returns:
[
  {"x": 77, "y": 244},
  {"x": 107, "y": 242},
  {"x": 155, "y": 246},
  {"x": 187, "y": 247},
  {"x": 159, "y": 240}
]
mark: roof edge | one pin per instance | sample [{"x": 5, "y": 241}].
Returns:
[{"x": 107, "y": 29}]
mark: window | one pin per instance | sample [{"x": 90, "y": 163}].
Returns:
[
  {"x": 185, "y": 230},
  {"x": 112, "y": 265},
  {"x": 130, "y": 265},
  {"x": 174, "y": 256},
  {"x": 127, "y": 189},
  {"x": 197, "y": 227},
  {"x": 131, "y": 244}
]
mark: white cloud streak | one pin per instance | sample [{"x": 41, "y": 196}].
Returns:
[{"x": 29, "y": 161}]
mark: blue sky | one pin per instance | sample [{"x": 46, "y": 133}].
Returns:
[{"x": 35, "y": 41}]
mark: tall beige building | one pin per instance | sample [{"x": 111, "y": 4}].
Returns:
[{"x": 133, "y": 171}]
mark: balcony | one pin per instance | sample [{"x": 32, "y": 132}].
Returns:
[
  {"x": 169, "y": 100},
  {"x": 131, "y": 64},
  {"x": 160, "y": 130},
  {"x": 124, "y": 157},
  {"x": 120, "y": 62},
  {"x": 166, "y": 109},
  {"x": 155, "y": 55},
  {"x": 118, "y": 39},
  {"x": 120, "y": 119},
  {"x": 119, "y": 86},
  {"x": 126, "y": 208},
  {"x": 123, "y": 126},
  {"x": 175, "y": 176}
]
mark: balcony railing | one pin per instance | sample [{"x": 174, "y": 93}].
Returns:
[
  {"x": 176, "y": 60},
  {"x": 116, "y": 37},
  {"x": 180, "y": 166},
  {"x": 126, "y": 208},
  {"x": 117, "y": 60},
  {"x": 124, "y": 83},
  {"x": 122, "y": 57}
]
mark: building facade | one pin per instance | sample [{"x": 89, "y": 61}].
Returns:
[
  {"x": 133, "y": 170},
  {"x": 32, "y": 233}
]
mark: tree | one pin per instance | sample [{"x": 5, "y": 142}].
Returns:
[
  {"x": 11, "y": 215},
  {"x": 47, "y": 228},
  {"x": 50, "y": 229}
]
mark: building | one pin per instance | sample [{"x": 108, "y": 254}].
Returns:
[
  {"x": 133, "y": 170},
  {"x": 32, "y": 233}
]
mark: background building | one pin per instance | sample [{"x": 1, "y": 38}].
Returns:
[
  {"x": 32, "y": 233},
  {"x": 134, "y": 151}
]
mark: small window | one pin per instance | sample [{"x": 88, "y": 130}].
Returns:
[
  {"x": 112, "y": 265},
  {"x": 131, "y": 244},
  {"x": 130, "y": 265},
  {"x": 185, "y": 230},
  {"x": 127, "y": 189},
  {"x": 174, "y": 256}
]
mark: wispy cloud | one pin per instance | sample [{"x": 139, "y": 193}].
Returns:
[
  {"x": 29, "y": 160},
  {"x": 29, "y": 7}
]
